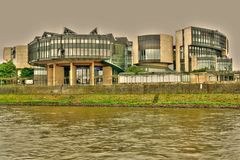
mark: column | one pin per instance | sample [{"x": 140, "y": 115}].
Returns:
[
  {"x": 50, "y": 75},
  {"x": 107, "y": 75},
  {"x": 72, "y": 74},
  {"x": 92, "y": 73},
  {"x": 58, "y": 75}
]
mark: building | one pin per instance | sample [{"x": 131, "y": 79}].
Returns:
[
  {"x": 199, "y": 55},
  {"x": 195, "y": 49},
  {"x": 202, "y": 49},
  {"x": 19, "y": 56},
  {"x": 72, "y": 58},
  {"x": 155, "y": 52}
]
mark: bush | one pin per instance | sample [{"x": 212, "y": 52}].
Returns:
[
  {"x": 135, "y": 69},
  {"x": 27, "y": 72}
]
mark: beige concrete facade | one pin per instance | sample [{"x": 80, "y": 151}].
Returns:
[
  {"x": 20, "y": 59},
  {"x": 72, "y": 74},
  {"x": 7, "y": 53},
  {"x": 187, "y": 42},
  {"x": 50, "y": 75},
  {"x": 166, "y": 48},
  {"x": 179, "y": 42},
  {"x": 199, "y": 78},
  {"x": 58, "y": 75},
  {"x": 107, "y": 75},
  {"x": 135, "y": 51},
  {"x": 183, "y": 39},
  {"x": 92, "y": 73}
]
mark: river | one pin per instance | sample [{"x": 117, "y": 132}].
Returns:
[{"x": 65, "y": 133}]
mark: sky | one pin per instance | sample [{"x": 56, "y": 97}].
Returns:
[{"x": 22, "y": 20}]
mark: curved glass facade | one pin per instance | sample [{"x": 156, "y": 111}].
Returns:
[
  {"x": 58, "y": 46},
  {"x": 149, "y": 48},
  {"x": 210, "y": 38},
  {"x": 203, "y": 51},
  {"x": 210, "y": 48}
]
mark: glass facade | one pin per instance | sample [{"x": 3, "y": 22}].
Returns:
[
  {"x": 119, "y": 55},
  {"x": 75, "y": 49},
  {"x": 203, "y": 51},
  {"x": 40, "y": 75},
  {"x": 206, "y": 37},
  {"x": 149, "y": 48},
  {"x": 206, "y": 63},
  {"x": 83, "y": 75},
  {"x": 71, "y": 46},
  {"x": 209, "y": 46},
  {"x": 224, "y": 64}
]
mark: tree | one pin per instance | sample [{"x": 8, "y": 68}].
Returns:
[
  {"x": 7, "y": 70},
  {"x": 135, "y": 69},
  {"x": 27, "y": 72}
]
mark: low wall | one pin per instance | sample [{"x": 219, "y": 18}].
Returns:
[{"x": 166, "y": 88}]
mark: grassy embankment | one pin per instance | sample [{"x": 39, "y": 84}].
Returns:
[{"x": 158, "y": 100}]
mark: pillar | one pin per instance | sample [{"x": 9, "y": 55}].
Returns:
[
  {"x": 58, "y": 75},
  {"x": 92, "y": 73},
  {"x": 72, "y": 74},
  {"x": 107, "y": 75},
  {"x": 50, "y": 75}
]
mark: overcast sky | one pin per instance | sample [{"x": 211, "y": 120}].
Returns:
[{"x": 22, "y": 20}]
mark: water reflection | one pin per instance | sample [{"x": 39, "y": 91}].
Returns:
[{"x": 118, "y": 133}]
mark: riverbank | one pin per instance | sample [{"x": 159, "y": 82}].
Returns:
[{"x": 125, "y": 100}]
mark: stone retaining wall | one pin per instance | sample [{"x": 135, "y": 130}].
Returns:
[{"x": 166, "y": 88}]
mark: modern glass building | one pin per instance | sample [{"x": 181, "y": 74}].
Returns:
[
  {"x": 72, "y": 58},
  {"x": 155, "y": 52},
  {"x": 202, "y": 49}
]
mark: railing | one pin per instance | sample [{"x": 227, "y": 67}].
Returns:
[{"x": 154, "y": 78}]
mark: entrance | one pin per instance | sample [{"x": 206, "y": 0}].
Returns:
[
  {"x": 83, "y": 75},
  {"x": 66, "y": 74}
]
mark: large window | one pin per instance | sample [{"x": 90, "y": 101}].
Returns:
[
  {"x": 203, "y": 52},
  {"x": 149, "y": 47},
  {"x": 209, "y": 64},
  {"x": 224, "y": 64},
  {"x": 209, "y": 38},
  {"x": 150, "y": 54},
  {"x": 68, "y": 46}
]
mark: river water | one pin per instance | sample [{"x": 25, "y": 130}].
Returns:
[{"x": 64, "y": 133}]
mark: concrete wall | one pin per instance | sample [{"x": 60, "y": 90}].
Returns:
[
  {"x": 21, "y": 60},
  {"x": 164, "y": 88},
  {"x": 50, "y": 75},
  {"x": 107, "y": 75},
  {"x": 187, "y": 36},
  {"x": 166, "y": 48},
  {"x": 58, "y": 75},
  {"x": 187, "y": 42},
  {"x": 21, "y": 57},
  {"x": 135, "y": 51},
  {"x": 178, "y": 43},
  {"x": 7, "y": 53}
]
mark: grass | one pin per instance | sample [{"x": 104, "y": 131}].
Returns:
[{"x": 125, "y": 99}]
